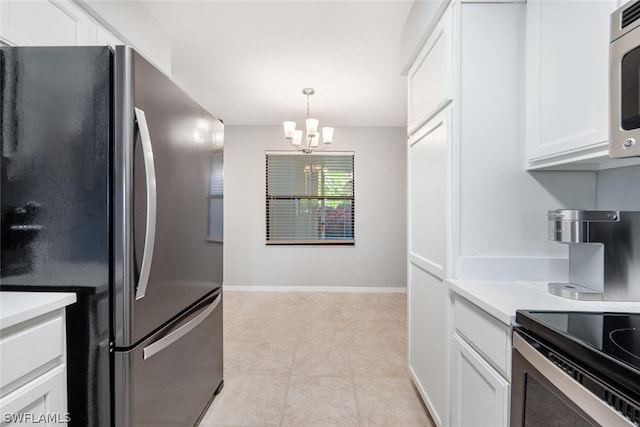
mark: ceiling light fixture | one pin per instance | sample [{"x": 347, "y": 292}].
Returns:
[{"x": 312, "y": 143}]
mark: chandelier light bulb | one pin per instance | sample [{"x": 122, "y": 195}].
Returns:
[
  {"x": 297, "y": 137},
  {"x": 327, "y": 135},
  {"x": 289, "y": 129},
  {"x": 312, "y": 127}
]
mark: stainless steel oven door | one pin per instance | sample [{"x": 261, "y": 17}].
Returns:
[{"x": 544, "y": 395}]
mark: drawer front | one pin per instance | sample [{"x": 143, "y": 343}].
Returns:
[
  {"x": 24, "y": 350},
  {"x": 490, "y": 337}
]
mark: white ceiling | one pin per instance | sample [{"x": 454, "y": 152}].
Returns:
[{"x": 247, "y": 61}]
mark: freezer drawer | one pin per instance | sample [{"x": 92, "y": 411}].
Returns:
[{"x": 170, "y": 378}]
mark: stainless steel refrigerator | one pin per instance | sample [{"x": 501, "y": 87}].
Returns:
[{"x": 111, "y": 187}]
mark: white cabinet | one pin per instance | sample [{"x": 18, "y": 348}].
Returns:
[
  {"x": 480, "y": 395},
  {"x": 481, "y": 368},
  {"x": 567, "y": 51},
  {"x": 50, "y": 23},
  {"x": 45, "y": 23},
  {"x": 33, "y": 370},
  {"x": 428, "y": 159},
  {"x": 43, "y": 399},
  {"x": 428, "y": 311},
  {"x": 428, "y": 352},
  {"x": 429, "y": 79}
]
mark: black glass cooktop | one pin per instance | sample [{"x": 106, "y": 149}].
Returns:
[{"x": 607, "y": 343}]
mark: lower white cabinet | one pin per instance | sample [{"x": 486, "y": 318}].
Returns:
[
  {"x": 428, "y": 353},
  {"x": 33, "y": 369},
  {"x": 480, "y": 395},
  {"x": 43, "y": 400},
  {"x": 481, "y": 367}
]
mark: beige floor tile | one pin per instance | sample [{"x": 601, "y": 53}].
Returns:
[
  {"x": 362, "y": 307},
  {"x": 269, "y": 328},
  {"x": 321, "y": 359},
  {"x": 398, "y": 331},
  {"x": 320, "y": 402},
  {"x": 232, "y": 350},
  {"x": 370, "y": 335},
  {"x": 265, "y": 358},
  {"x": 325, "y": 331},
  {"x": 389, "y": 402},
  {"x": 383, "y": 362},
  {"x": 248, "y": 400}
]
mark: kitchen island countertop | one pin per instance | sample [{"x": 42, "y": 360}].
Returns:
[{"x": 501, "y": 299}]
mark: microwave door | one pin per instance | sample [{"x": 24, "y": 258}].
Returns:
[{"x": 624, "y": 89}]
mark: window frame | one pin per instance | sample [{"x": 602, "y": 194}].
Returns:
[{"x": 270, "y": 241}]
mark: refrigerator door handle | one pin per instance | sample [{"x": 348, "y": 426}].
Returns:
[
  {"x": 174, "y": 336},
  {"x": 150, "y": 231}
]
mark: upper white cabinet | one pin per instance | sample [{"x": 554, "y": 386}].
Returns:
[
  {"x": 429, "y": 78},
  {"x": 567, "y": 45},
  {"x": 45, "y": 23}
]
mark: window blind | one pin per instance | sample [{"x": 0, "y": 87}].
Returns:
[
  {"x": 310, "y": 198},
  {"x": 216, "y": 198}
]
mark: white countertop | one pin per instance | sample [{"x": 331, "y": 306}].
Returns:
[
  {"x": 16, "y": 307},
  {"x": 502, "y": 299}
]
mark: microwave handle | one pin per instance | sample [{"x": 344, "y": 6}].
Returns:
[
  {"x": 583, "y": 398},
  {"x": 150, "y": 229}
]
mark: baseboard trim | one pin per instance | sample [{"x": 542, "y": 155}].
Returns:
[{"x": 361, "y": 289}]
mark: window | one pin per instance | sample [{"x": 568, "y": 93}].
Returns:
[
  {"x": 216, "y": 198},
  {"x": 310, "y": 198}
]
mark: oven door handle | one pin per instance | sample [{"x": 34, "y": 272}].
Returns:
[{"x": 597, "y": 409}]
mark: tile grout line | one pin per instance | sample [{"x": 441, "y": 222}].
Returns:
[
  {"x": 353, "y": 381},
  {"x": 286, "y": 394}
]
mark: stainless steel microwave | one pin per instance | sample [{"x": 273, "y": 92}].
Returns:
[{"x": 624, "y": 82}]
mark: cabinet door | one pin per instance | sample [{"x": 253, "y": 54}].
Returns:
[
  {"x": 567, "y": 54},
  {"x": 428, "y": 165},
  {"x": 429, "y": 78},
  {"x": 44, "y": 23},
  {"x": 429, "y": 304},
  {"x": 43, "y": 400},
  {"x": 428, "y": 340},
  {"x": 480, "y": 395}
]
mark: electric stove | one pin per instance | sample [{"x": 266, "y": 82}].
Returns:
[{"x": 605, "y": 344}]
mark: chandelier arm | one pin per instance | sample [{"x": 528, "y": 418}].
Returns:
[{"x": 297, "y": 147}]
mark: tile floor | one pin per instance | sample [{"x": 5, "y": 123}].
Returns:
[{"x": 315, "y": 359}]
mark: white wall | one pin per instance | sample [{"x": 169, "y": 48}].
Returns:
[
  {"x": 378, "y": 258},
  {"x": 503, "y": 224},
  {"x": 135, "y": 25},
  {"x": 618, "y": 189}
]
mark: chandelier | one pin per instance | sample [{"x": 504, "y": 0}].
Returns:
[{"x": 312, "y": 140}]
